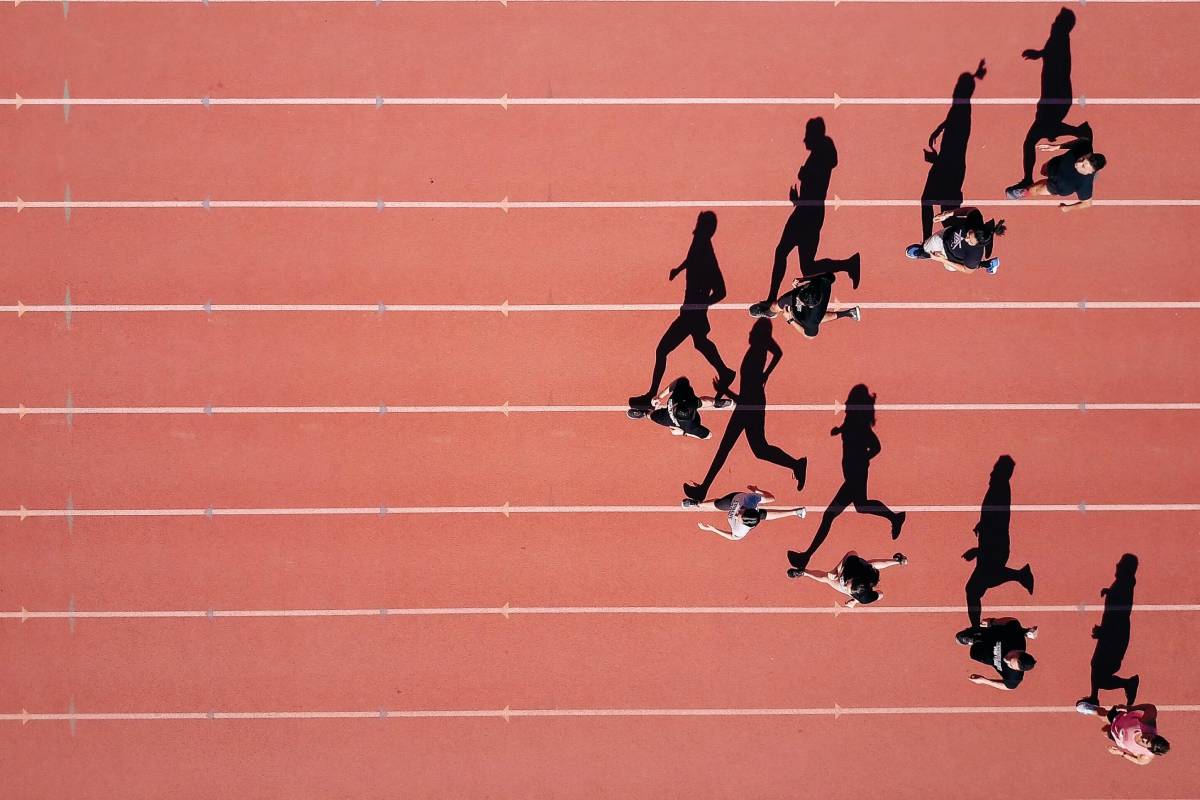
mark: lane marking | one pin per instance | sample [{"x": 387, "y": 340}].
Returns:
[
  {"x": 507, "y": 713},
  {"x": 704, "y": 2},
  {"x": 505, "y": 308},
  {"x": 507, "y": 101},
  {"x": 507, "y": 205},
  {"x": 507, "y": 409},
  {"x": 506, "y": 611},
  {"x": 507, "y": 509}
]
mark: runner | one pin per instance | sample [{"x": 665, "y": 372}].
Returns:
[{"x": 744, "y": 511}]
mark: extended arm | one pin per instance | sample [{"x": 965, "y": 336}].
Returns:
[
  {"x": 1065, "y": 207},
  {"x": 995, "y": 683},
  {"x": 724, "y": 534},
  {"x": 884, "y": 563}
]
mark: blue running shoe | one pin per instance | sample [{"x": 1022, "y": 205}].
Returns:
[
  {"x": 915, "y": 251},
  {"x": 991, "y": 265}
]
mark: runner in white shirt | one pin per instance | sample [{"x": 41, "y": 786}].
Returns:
[{"x": 744, "y": 512}]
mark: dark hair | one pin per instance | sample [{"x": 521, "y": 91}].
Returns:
[
  {"x": 1159, "y": 746},
  {"x": 752, "y": 516},
  {"x": 1096, "y": 160},
  {"x": 990, "y": 230},
  {"x": 864, "y": 593},
  {"x": 1026, "y": 662}
]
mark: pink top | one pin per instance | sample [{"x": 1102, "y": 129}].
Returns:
[{"x": 1125, "y": 726}]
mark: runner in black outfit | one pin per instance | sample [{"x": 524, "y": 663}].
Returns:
[
  {"x": 1049, "y": 121},
  {"x": 854, "y": 576},
  {"x": 803, "y": 229},
  {"x": 806, "y": 306},
  {"x": 1000, "y": 643},
  {"x": 703, "y": 286},
  {"x": 964, "y": 244},
  {"x": 678, "y": 408},
  {"x": 1073, "y": 172}
]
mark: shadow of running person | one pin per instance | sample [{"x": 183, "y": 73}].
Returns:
[
  {"x": 750, "y": 414},
  {"x": 703, "y": 286},
  {"x": 802, "y": 231},
  {"x": 992, "y": 552},
  {"x": 1112, "y": 634},
  {"x": 948, "y": 162},
  {"x": 859, "y": 446},
  {"x": 1049, "y": 120}
]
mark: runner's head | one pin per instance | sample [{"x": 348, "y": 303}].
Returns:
[
  {"x": 1158, "y": 745},
  {"x": 1090, "y": 164},
  {"x": 864, "y": 593},
  {"x": 752, "y": 516}
]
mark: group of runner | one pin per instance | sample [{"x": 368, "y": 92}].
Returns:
[{"x": 965, "y": 243}]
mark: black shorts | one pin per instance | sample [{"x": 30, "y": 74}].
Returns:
[
  {"x": 725, "y": 503},
  {"x": 1057, "y": 189},
  {"x": 663, "y": 417}
]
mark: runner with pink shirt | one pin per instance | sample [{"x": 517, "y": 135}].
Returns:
[{"x": 1132, "y": 729}]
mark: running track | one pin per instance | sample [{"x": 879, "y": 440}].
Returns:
[{"x": 541, "y": 638}]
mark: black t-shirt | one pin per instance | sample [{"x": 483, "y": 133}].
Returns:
[
  {"x": 1064, "y": 179},
  {"x": 684, "y": 405},
  {"x": 994, "y": 643},
  {"x": 810, "y": 302},
  {"x": 955, "y": 242},
  {"x": 856, "y": 570}
]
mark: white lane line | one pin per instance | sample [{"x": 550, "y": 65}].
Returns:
[
  {"x": 505, "y": 308},
  {"x": 506, "y": 205},
  {"x": 507, "y": 409},
  {"x": 506, "y": 101},
  {"x": 703, "y": 2},
  {"x": 507, "y": 713},
  {"x": 507, "y": 611},
  {"x": 507, "y": 509}
]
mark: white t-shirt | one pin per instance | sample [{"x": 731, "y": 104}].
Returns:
[{"x": 742, "y": 500}]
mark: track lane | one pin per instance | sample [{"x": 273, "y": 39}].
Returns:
[
  {"x": 731, "y": 49},
  {"x": 484, "y": 154}
]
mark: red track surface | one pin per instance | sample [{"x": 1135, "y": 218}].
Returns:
[{"x": 486, "y": 662}]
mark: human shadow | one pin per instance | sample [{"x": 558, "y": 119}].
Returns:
[
  {"x": 1049, "y": 121},
  {"x": 948, "y": 162},
  {"x": 992, "y": 552},
  {"x": 802, "y": 231},
  {"x": 749, "y": 415},
  {"x": 1112, "y": 634},
  {"x": 702, "y": 287},
  {"x": 859, "y": 446}
]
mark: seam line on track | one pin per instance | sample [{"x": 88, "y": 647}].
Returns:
[
  {"x": 505, "y": 308},
  {"x": 506, "y": 611},
  {"x": 71, "y": 513},
  {"x": 505, "y": 204},
  {"x": 507, "y": 409},
  {"x": 504, "y": 102},
  {"x": 508, "y": 713}
]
